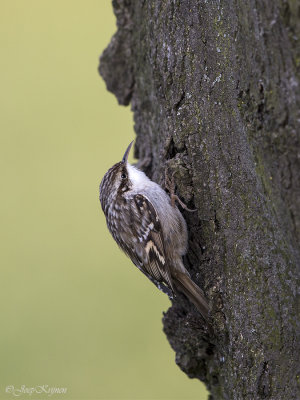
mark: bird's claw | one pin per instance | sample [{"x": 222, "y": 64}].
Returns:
[{"x": 170, "y": 186}]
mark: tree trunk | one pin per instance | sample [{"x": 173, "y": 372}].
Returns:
[{"x": 214, "y": 86}]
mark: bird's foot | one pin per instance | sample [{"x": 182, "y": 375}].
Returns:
[{"x": 170, "y": 186}]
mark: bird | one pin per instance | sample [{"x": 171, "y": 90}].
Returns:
[{"x": 148, "y": 226}]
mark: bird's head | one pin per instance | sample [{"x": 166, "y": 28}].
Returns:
[{"x": 119, "y": 179}]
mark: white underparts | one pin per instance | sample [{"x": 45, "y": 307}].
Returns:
[{"x": 137, "y": 177}]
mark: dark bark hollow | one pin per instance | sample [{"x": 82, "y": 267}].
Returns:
[{"x": 214, "y": 87}]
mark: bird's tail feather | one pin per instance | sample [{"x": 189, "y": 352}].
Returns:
[{"x": 185, "y": 285}]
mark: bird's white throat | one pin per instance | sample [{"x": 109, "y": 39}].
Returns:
[{"x": 137, "y": 177}]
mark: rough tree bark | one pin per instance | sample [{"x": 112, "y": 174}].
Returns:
[{"x": 214, "y": 87}]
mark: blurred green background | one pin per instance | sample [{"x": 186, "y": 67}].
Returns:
[{"x": 75, "y": 312}]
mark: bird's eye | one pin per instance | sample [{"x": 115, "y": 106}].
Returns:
[{"x": 123, "y": 176}]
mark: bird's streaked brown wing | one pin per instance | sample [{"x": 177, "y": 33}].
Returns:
[{"x": 147, "y": 250}]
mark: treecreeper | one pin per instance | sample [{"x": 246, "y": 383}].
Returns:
[{"x": 150, "y": 229}]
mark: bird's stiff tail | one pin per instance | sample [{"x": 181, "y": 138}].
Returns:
[{"x": 185, "y": 285}]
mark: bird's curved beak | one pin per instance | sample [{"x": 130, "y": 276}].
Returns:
[{"x": 125, "y": 157}]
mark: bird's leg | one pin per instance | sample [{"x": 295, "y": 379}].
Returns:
[{"x": 170, "y": 186}]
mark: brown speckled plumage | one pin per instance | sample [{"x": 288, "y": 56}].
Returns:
[{"x": 151, "y": 231}]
